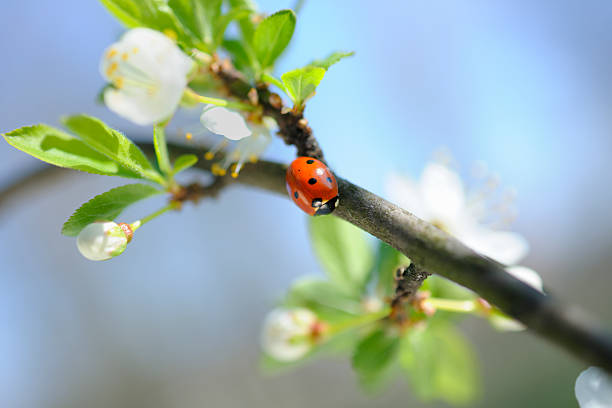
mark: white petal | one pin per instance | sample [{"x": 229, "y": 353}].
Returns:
[
  {"x": 594, "y": 388},
  {"x": 100, "y": 241},
  {"x": 527, "y": 275},
  {"x": 224, "y": 122},
  {"x": 405, "y": 192},
  {"x": 503, "y": 246},
  {"x": 281, "y": 328},
  {"x": 443, "y": 193}
]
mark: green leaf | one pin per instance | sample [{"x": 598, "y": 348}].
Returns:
[
  {"x": 223, "y": 21},
  {"x": 343, "y": 251},
  {"x": 184, "y": 162},
  {"x": 301, "y": 83},
  {"x": 200, "y": 18},
  {"x": 239, "y": 53},
  {"x": 272, "y": 36},
  {"x": 328, "y": 301},
  {"x": 247, "y": 27},
  {"x": 56, "y": 147},
  {"x": 113, "y": 144},
  {"x": 440, "y": 364},
  {"x": 161, "y": 150},
  {"x": 332, "y": 59},
  {"x": 388, "y": 259},
  {"x": 443, "y": 288},
  {"x": 107, "y": 206},
  {"x": 373, "y": 357},
  {"x": 146, "y": 13}
]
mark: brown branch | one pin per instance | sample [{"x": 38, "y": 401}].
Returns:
[
  {"x": 436, "y": 252},
  {"x": 409, "y": 280},
  {"x": 293, "y": 127}
]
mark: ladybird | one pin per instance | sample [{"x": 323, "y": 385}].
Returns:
[{"x": 312, "y": 186}]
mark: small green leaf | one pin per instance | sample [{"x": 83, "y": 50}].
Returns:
[
  {"x": 373, "y": 357},
  {"x": 343, "y": 251},
  {"x": 56, "y": 147},
  {"x": 247, "y": 27},
  {"x": 161, "y": 150},
  {"x": 440, "y": 364},
  {"x": 107, "y": 206},
  {"x": 200, "y": 18},
  {"x": 274, "y": 81},
  {"x": 184, "y": 162},
  {"x": 147, "y": 13},
  {"x": 113, "y": 144},
  {"x": 272, "y": 36},
  {"x": 301, "y": 83},
  {"x": 332, "y": 59},
  {"x": 388, "y": 259},
  {"x": 328, "y": 301},
  {"x": 223, "y": 21},
  {"x": 240, "y": 54}
]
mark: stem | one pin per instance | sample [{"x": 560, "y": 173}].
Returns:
[
  {"x": 274, "y": 81},
  {"x": 190, "y": 94},
  {"x": 359, "y": 321},
  {"x": 137, "y": 224},
  {"x": 450, "y": 305}
]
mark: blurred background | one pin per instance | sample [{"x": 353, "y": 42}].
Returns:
[{"x": 174, "y": 322}]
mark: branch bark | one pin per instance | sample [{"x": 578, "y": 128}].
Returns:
[{"x": 437, "y": 252}]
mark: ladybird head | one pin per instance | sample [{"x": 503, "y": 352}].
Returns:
[{"x": 326, "y": 207}]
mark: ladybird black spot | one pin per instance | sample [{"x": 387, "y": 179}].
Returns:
[
  {"x": 312, "y": 180},
  {"x": 295, "y": 194},
  {"x": 329, "y": 179},
  {"x": 309, "y": 161},
  {"x": 317, "y": 202}
]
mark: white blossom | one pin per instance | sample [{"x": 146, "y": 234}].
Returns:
[
  {"x": 287, "y": 334},
  {"x": 102, "y": 240},
  {"x": 148, "y": 73},
  {"x": 594, "y": 388},
  {"x": 440, "y": 198},
  {"x": 224, "y": 122},
  {"x": 530, "y": 277}
]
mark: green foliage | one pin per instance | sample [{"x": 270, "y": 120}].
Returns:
[
  {"x": 440, "y": 363},
  {"x": 272, "y": 36},
  {"x": 247, "y": 27},
  {"x": 374, "y": 356},
  {"x": 184, "y": 162},
  {"x": 331, "y": 59},
  {"x": 204, "y": 20},
  {"x": 61, "y": 149},
  {"x": 161, "y": 150},
  {"x": 388, "y": 259},
  {"x": 301, "y": 84},
  {"x": 343, "y": 251},
  {"x": 327, "y": 300},
  {"x": 107, "y": 206},
  {"x": 154, "y": 14},
  {"x": 112, "y": 144}
]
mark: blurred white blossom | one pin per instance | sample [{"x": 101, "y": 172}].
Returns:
[
  {"x": 287, "y": 334},
  {"x": 441, "y": 198},
  {"x": 594, "y": 388},
  {"x": 224, "y": 122},
  {"x": 530, "y": 277},
  {"x": 148, "y": 73},
  {"x": 102, "y": 240}
]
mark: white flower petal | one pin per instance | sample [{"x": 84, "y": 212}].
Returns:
[
  {"x": 101, "y": 240},
  {"x": 527, "y": 275},
  {"x": 224, "y": 122},
  {"x": 442, "y": 193},
  {"x": 503, "y": 246},
  {"x": 285, "y": 332},
  {"x": 150, "y": 74},
  {"x": 594, "y": 388},
  {"x": 405, "y": 193}
]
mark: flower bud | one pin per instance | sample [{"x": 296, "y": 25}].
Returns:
[
  {"x": 288, "y": 334},
  {"x": 103, "y": 240}
]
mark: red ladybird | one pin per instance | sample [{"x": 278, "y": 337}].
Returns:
[{"x": 312, "y": 186}]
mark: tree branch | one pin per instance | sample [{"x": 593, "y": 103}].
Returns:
[{"x": 437, "y": 252}]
